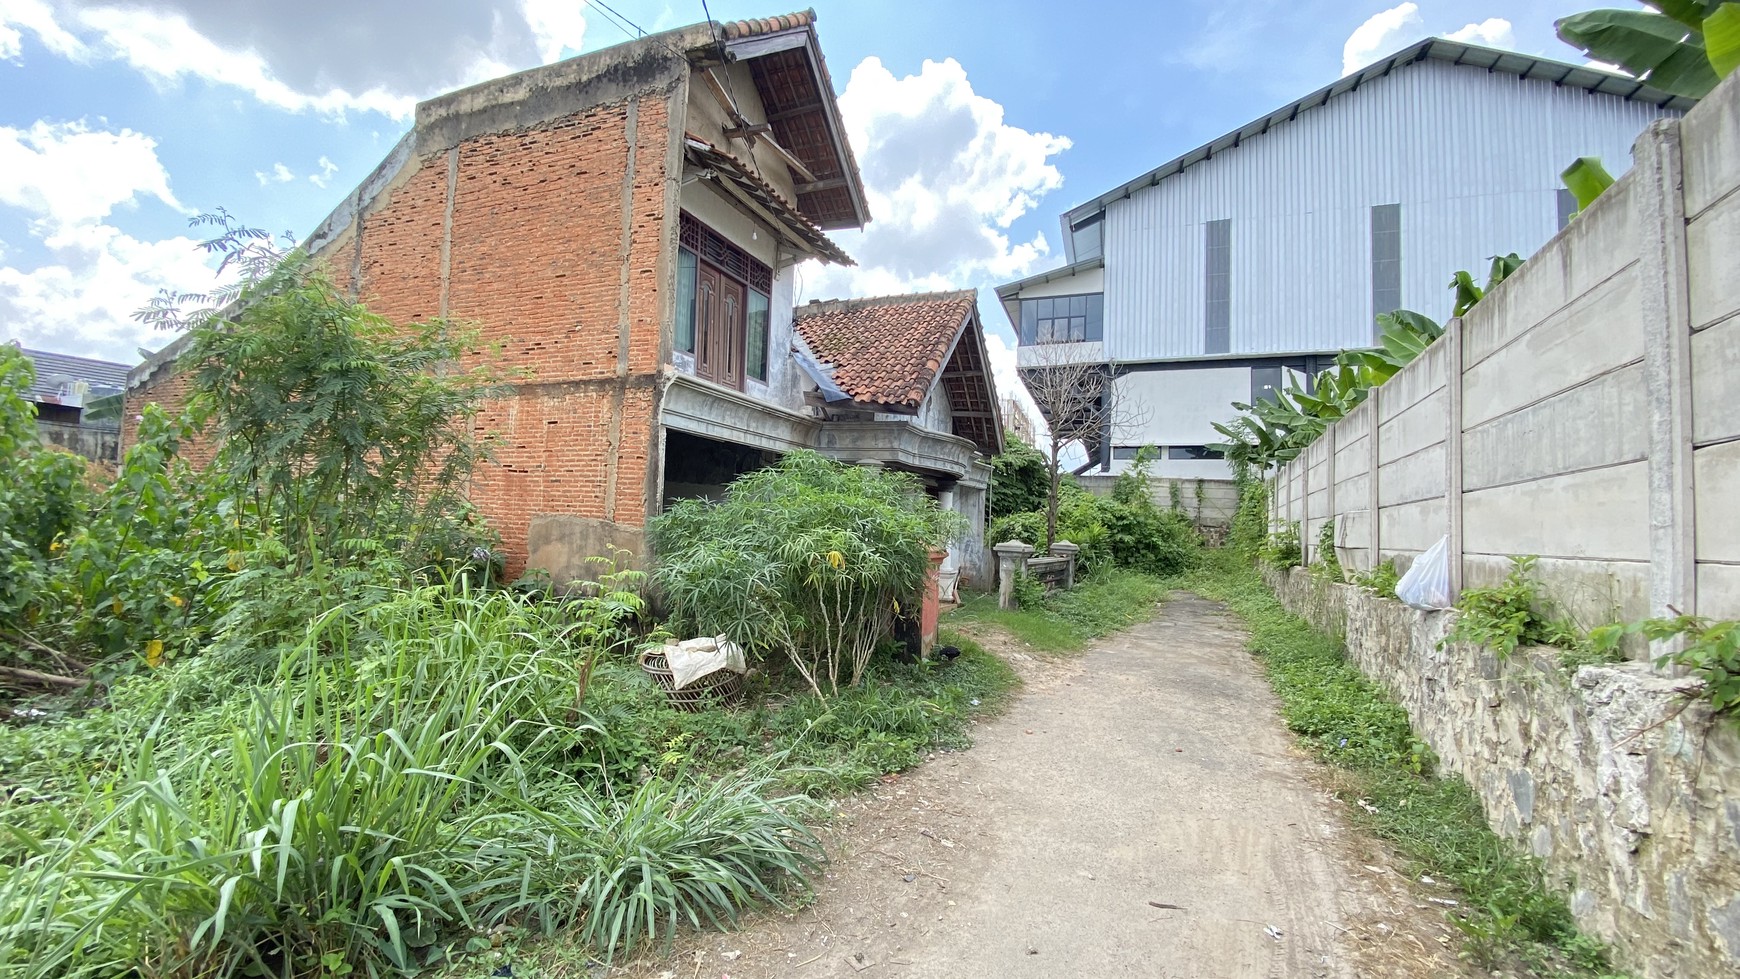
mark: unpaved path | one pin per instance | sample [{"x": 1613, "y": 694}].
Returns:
[{"x": 1154, "y": 770}]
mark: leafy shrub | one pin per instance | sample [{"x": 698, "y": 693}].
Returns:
[
  {"x": 1380, "y": 580},
  {"x": 1250, "y": 524},
  {"x": 1710, "y": 650},
  {"x": 1328, "y": 564},
  {"x": 1020, "y": 479},
  {"x": 1511, "y": 614},
  {"x": 1282, "y": 550},
  {"x": 1028, "y": 591},
  {"x": 806, "y": 558}
]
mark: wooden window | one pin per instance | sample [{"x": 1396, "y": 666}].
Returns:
[{"x": 722, "y": 306}]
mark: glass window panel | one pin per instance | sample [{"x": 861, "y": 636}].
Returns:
[
  {"x": 756, "y": 341},
  {"x": 685, "y": 300},
  {"x": 1029, "y": 320},
  {"x": 1078, "y": 305}
]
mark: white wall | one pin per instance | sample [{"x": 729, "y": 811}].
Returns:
[
  {"x": 1081, "y": 283},
  {"x": 1473, "y": 158}
]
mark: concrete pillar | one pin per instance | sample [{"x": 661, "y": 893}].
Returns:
[
  {"x": 1011, "y": 560},
  {"x": 1667, "y": 365},
  {"x": 1452, "y": 341},
  {"x": 1374, "y": 498},
  {"x": 1065, "y": 549}
]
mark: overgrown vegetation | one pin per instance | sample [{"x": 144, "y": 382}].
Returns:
[
  {"x": 1065, "y": 621},
  {"x": 1380, "y": 581},
  {"x": 1709, "y": 649},
  {"x": 1128, "y": 530},
  {"x": 807, "y": 559},
  {"x": 1508, "y": 909},
  {"x": 1327, "y": 565},
  {"x": 1513, "y": 613},
  {"x": 1283, "y": 548},
  {"x": 296, "y": 726}
]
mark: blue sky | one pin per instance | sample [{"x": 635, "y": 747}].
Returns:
[{"x": 976, "y": 124}]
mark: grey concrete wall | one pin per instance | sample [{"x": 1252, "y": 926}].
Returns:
[
  {"x": 93, "y": 442},
  {"x": 1628, "y": 791},
  {"x": 1210, "y": 503},
  {"x": 1587, "y": 411}
]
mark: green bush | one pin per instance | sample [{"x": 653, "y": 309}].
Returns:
[
  {"x": 807, "y": 558},
  {"x": 1283, "y": 550},
  {"x": 1511, "y": 614},
  {"x": 1020, "y": 479}
]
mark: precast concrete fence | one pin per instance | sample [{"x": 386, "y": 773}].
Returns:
[{"x": 1587, "y": 411}]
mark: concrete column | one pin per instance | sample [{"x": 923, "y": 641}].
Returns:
[
  {"x": 1374, "y": 498},
  {"x": 1452, "y": 341},
  {"x": 1329, "y": 507},
  {"x": 1065, "y": 549},
  {"x": 1011, "y": 560},
  {"x": 1667, "y": 364}
]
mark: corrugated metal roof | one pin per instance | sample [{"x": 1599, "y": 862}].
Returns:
[
  {"x": 58, "y": 377},
  {"x": 1433, "y": 49}
]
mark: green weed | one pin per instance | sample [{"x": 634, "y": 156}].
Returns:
[{"x": 1065, "y": 621}]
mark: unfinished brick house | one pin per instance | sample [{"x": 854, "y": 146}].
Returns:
[{"x": 626, "y": 225}]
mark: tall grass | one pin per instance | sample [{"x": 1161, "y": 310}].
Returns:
[{"x": 395, "y": 784}]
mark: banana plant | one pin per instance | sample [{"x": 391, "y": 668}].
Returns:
[
  {"x": 1586, "y": 179},
  {"x": 1682, "y": 47},
  {"x": 1467, "y": 293}
]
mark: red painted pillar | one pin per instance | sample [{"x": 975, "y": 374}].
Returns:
[{"x": 932, "y": 607}]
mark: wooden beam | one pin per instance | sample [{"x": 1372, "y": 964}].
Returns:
[
  {"x": 791, "y": 161},
  {"x": 829, "y": 184},
  {"x": 723, "y": 97},
  {"x": 747, "y": 132},
  {"x": 795, "y": 110}
]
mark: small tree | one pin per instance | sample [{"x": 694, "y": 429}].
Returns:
[
  {"x": 1019, "y": 478},
  {"x": 342, "y": 430},
  {"x": 1079, "y": 402}
]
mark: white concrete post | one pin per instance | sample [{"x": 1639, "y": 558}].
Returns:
[
  {"x": 1374, "y": 498},
  {"x": 1452, "y": 341},
  {"x": 1664, "y": 287},
  {"x": 1011, "y": 560},
  {"x": 1305, "y": 509},
  {"x": 1065, "y": 549},
  {"x": 1329, "y": 507}
]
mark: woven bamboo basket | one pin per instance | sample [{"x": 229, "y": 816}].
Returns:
[{"x": 721, "y": 688}]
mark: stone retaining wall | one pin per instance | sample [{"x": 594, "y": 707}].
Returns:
[{"x": 1613, "y": 778}]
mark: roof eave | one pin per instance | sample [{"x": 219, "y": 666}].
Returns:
[{"x": 1433, "y": 49}]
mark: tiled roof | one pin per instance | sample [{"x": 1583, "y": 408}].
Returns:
[
  {"x": 767, "y": 25},
  {"x": 57, "y": 373},
  {"x": 766, "y": 195},
  {"x": 885, "y": 350}
]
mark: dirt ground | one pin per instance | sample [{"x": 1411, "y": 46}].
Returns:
[{"x": 1138, "y": 811}]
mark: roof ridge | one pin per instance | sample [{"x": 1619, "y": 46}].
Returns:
[
  {"x": 1455, "y": 53},
  {"x": 750, "y": 27},
  {"x": 817, "y": 307}
]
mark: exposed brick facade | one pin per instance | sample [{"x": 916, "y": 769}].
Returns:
[{"x": 536, "y": 256}]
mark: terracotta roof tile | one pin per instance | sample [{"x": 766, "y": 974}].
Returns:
[
  {"x": 767, "y": 25},
  {"x": 889, "y": 349},
  {"x": 734, "y": 168}
]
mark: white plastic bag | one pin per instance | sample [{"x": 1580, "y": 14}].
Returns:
[{"x": 1427, "y": 583}]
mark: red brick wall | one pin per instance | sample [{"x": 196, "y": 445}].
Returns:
[{"x": 536, "y": 263}]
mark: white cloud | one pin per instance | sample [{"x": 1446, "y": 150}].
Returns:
[
  {"x": 330, "y": 59},
  {"x": 1494, "y": 32},
  {"x": 557, "y": 25},
  {"x": 1390, "y": 30},
  {"x": 37, "y": 17},
  {"x": 1382, "y": 33},
  {"x": 67, "y": 173},
  {"x": 67, "y": 179},
  {"x": 278, "y": 174},
  {"x": 327, "y": 169},
  {"x": 945, "y": 177}
]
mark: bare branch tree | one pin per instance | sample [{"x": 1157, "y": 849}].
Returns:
[{"x": 1078, "y": 398}]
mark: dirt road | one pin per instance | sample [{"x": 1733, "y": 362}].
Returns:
[{"x": 1139, "y": 811}]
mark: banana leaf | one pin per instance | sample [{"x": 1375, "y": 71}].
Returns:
[
  {"x": 1665, "y": 52},
  {"x": 1586, "y": 179},
  {"x": 1722, "y": 38}
]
